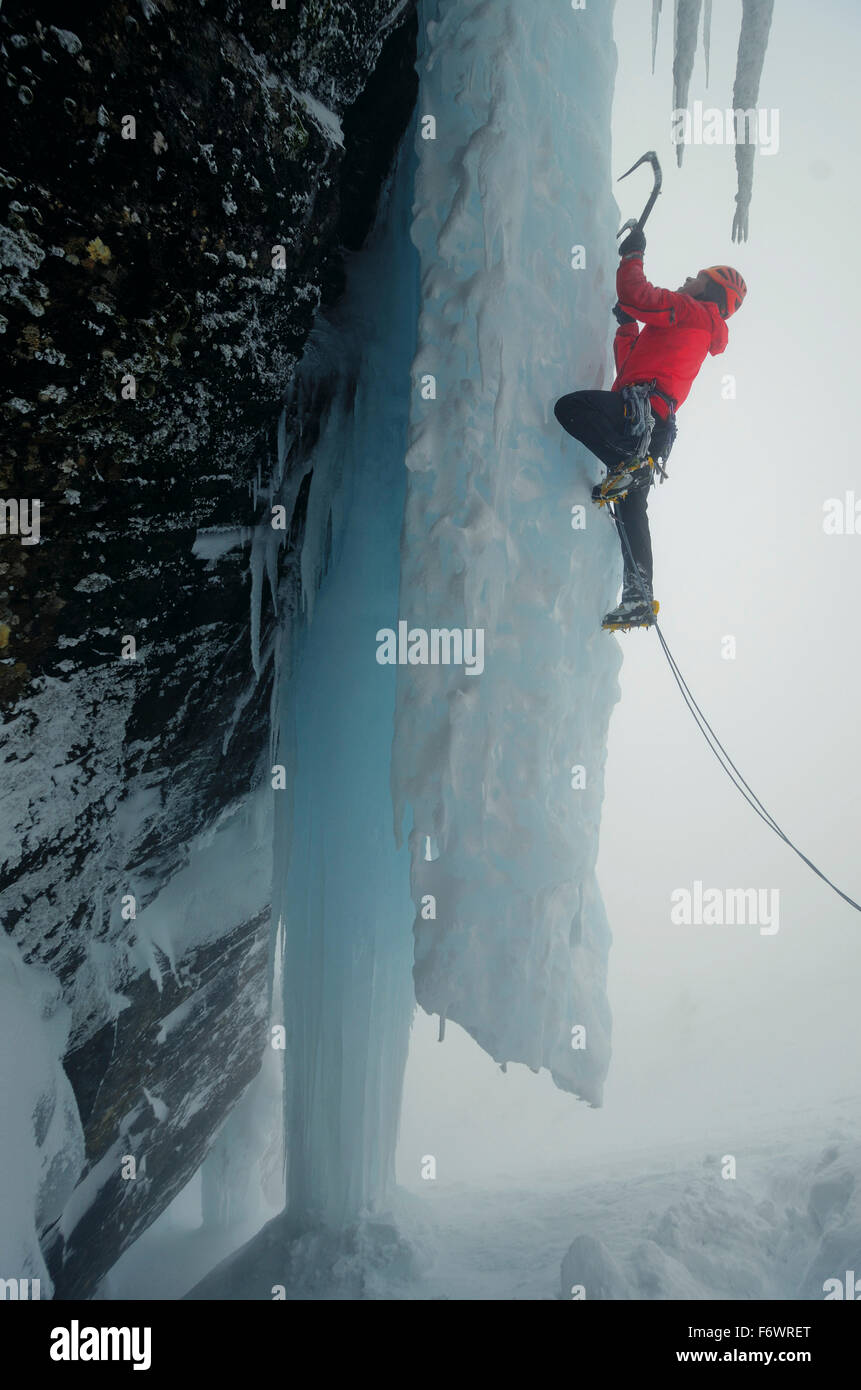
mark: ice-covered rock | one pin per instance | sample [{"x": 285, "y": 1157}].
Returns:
[
  {"x": 511, "y": 937},
  {"x": 589, "y": 1272}
]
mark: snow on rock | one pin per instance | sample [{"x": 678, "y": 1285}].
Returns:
[
  {"x": 589, "y": 1265},
  {"x": 187, "y": 994},
  {"x": 211, "y": 542},
  {"x": 41, "y": 1141},
  {"x": 328, "y": 121},
  {"x": 517, "y": 176},
  {"x": 67, "y": 40}
]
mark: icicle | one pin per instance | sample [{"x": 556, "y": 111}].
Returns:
[
  {"x": 656, "y": 15},
  {"x": 256, "y": 566},
  {"x": 752, "y": 43},
  {"x": 282, "y": 448},
  {"x": 273, "y": 541},
  {"x": 707, "y": 35},
  {"x": 686, "y": 23}
]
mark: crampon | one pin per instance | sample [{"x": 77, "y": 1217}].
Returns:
[
  {"x": 638, "y": 612},
  {"x": 619, "y": 482}
]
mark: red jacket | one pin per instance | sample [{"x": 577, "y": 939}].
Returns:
[{"x": 679, "y": 332}]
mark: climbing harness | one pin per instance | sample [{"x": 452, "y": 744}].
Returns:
[
  {"x": 641, "y": 423},
  {"x": 637, "y": 411}
]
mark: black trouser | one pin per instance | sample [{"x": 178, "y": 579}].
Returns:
[{"x": 597, "y": 419}]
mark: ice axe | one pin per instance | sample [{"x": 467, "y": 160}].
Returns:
[{"x": 638, "y": 223}]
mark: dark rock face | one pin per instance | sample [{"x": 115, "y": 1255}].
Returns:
[
  {"x": 155, "y": 294},
  {"x": 186, "y": 1076}
]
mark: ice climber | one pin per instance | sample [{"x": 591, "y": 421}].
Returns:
[{"x": 631, "y": 428}]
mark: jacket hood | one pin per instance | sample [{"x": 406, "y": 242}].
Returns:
[{"x": 720, "y": 332}]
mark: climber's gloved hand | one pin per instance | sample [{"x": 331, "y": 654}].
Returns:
[
  {"x": 620, "y": 315},
  {"x": 634, "y": 241}
]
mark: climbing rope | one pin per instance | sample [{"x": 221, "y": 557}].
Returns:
[{"x": 712, "y": 739}]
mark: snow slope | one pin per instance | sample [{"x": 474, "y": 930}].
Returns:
[
  {"x": 652, "y": 1224},
  {"x": 661, "y": 1225}
]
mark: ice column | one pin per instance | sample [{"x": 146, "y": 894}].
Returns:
[{"x": 498, "y": 776}]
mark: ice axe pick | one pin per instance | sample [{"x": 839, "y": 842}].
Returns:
[{"x": 639, "y": 222}]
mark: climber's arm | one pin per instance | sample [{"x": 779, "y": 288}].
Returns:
[
  {"x": 652, "y": 305},
  {"x": 626, "y": 336}
]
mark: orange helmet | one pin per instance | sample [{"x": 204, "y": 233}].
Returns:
[{"x": 731, "y": 283}]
